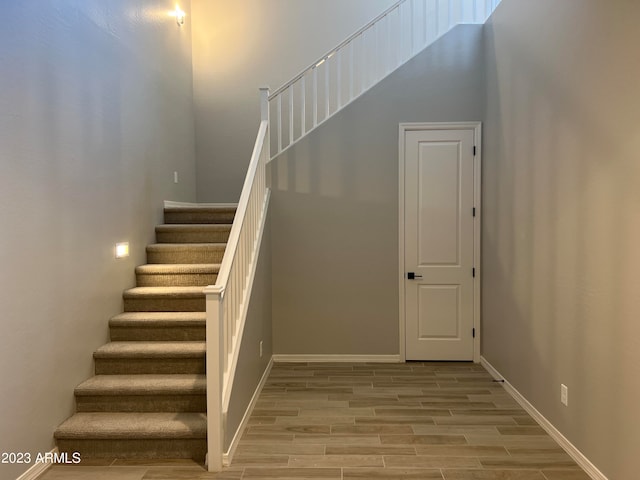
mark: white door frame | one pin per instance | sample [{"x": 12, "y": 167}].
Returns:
[{"x": 477, "y": 164}]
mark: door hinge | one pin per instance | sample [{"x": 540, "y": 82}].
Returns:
[
  {"x": 473, "y": 272},
  {"x": 474, "y": 211},
  {"x": 474, "y": 150},
  {"x": 473, "y": 332}
]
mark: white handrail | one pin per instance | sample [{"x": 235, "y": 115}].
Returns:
[
  {"x": 414, "y": 24},
  {"x": 228, "y": 299}
]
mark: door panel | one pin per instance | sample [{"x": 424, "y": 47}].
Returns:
[
  {"x": 438, "y": 311},
  {"x": 439, "y": 244},
  {"x": 438, "y": 228}
]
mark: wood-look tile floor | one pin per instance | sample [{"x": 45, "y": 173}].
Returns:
[{"x": 343, "y": 421}]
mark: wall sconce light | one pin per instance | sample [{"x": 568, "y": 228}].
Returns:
[
  {"x": 179, "y": 15},
  {"x": 122, "y": 250}
]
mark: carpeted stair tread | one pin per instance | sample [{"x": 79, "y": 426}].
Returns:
[
  {"x": 199, "y": 215},
  {"x": 185, "y": 246},
  {"x": 200, "y": 208},
  {"x": 177, "y": 268},
  {"x": 177, "y": 274},
  {"x": 163, "y": 292},
  {"x": 135, "y": 425},
  {"x": 112, "y": 385},
  {"x": 158, "y": 319},
  {"x": 193, "y": 233},
  {"x": 160, "y": 350},
  {"x": 165, "y": 299},
  {"x": 158, "y": 326},
  {"x": 180, "y": 253},
  {"x": 194, "y": 227}
]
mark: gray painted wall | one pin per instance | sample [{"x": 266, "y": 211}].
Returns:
[
  {"x": 92, "y": 126},
  {"x": 561, "y": 218},
  {"x": 335, "y": 205},
  {"x": 257, "y": 328},
  {"x": 241, "y": 45}
]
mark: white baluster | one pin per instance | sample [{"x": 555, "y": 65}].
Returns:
[
  {"x": 411, "y": 33},
  {"x": 352, "y": 80},
  {"x": 279, "y": 115},
  {"x": 226, "y": 329},
  {"x": 303, "y": 106},
  {"x": 375, "y": 61},
  {"x": 388, "y": 65},
  {"x": 235, "y": 297},
  {"x": 339, "y": 79},
  {"x": 402, "y": 29},
  {"x": 290, "y": 114},
  {"x": 363, "y": 62},
  {"x": 371, "y": 58},
  {"x": 377, "y": 54},
  {"x": 326, "y": 87},
  {"x": 315, "y": 96},
  {"x": 424, "y": 23}
]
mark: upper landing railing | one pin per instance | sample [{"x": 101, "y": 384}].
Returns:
[{"x": 362, "y": 60}]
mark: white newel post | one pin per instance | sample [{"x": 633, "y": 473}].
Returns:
[
  {"x": 215, "y": 372},
  {"x": 264, "y": 115}
]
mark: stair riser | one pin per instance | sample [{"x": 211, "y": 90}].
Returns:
[
  {"x": 142, "y": 403},
  {"x": 175, "y": 280},
  {"x": 155, "y": 304},
  {"x": 195, "y": 448},
  {"x": 211, "y": 255},
  {"x": 170, "y": 334},
  {"x": 138, "y": 366},
  {"x": 198, "y": 217},
  {"x": 192, "y": 237}
]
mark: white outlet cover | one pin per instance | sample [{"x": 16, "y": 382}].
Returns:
[{"x": 564, "y": 394}]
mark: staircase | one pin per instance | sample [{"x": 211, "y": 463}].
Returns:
[{"x": 148, "y": 396}]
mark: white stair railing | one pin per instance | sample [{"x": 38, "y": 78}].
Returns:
[
  {"x": 311, "y": 97},
  {"x": 228, "y": 299},
  {"x": 361, "y": 61}
]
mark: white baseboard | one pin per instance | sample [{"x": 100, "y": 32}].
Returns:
[
  {"x": 172, "y": 204},
  {"x": 228, "y": 456},
  {"x": 571, "y": 450},
  {"x": 280, "y": 358},
  {"x": 37, "y": 469}
]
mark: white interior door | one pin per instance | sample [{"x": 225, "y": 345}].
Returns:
[{"x": 439, "y": 244}]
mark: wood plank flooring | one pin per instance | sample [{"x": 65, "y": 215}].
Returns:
[{"x": 344, "y": 421}]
